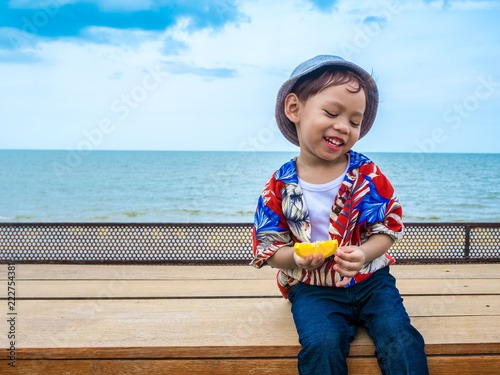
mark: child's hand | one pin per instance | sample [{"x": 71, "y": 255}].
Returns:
[
  {"x": 310, "y": 262},
  {"x": 348, "y": 262}
]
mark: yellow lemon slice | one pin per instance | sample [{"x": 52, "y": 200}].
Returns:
[{"x": 327, "y": 248}]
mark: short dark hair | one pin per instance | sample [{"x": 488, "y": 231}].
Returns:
[{"x": 320, "y": 79}]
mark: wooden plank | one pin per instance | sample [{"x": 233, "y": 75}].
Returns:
[
  {"x": 143, "y": 288},
  {"x": 467, "y": 349},
  {"x": 158, "y": 272},
  {"x": 455, "y": 307},
  {"x": 446, "y": 271},
  {"x": 162, "y": 352},
  {"x": 450, "y": 286},
  {"x": 154, "y": 367},
  {"x": 135, "y": 272},
  {"x": 435, "y": 305},
  {"x": 464, "y": 365},
  {"x": 448, "y": 365},
  {"x": 221, "y": 288},
  {"x": 204, "y": 322},
  {"x": 186, "y": 352},
  {"x": 421, "y": 306}
]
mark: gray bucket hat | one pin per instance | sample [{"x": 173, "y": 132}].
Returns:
[{"x": 288, "y": 128}]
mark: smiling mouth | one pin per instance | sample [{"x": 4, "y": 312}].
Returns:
[{"x": 334, "y": 142}]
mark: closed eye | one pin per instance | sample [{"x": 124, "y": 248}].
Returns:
[
  {"x": 329, "y": 114},
  {"x": 355, "y": 124}
]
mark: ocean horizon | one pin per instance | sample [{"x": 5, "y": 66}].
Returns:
[{"x": 221, "y": 186}]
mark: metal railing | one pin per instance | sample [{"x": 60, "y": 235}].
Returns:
[{"x": 167, "y": 243}]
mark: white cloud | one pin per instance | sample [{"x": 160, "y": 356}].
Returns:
[{"x": 425, "y": 59}]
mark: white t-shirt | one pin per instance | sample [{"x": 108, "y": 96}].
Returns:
[{"x": 319, "y": 200}]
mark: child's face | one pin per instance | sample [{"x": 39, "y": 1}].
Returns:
[{"x": 328, "y": 123}]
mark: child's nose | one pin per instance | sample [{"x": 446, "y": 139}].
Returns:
[{"x": 341, "y": 125}]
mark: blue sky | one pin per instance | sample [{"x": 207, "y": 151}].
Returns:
[{"x": 203, "y": 75}]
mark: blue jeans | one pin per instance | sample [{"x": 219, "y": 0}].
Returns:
[{"x": 326, "y": 320}]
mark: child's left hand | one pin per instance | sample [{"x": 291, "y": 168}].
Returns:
[{"x": 348, "y": 262}]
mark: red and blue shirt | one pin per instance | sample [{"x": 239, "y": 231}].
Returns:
[{"x": 365, "y": 204}]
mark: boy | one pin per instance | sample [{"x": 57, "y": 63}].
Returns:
[{"x": 331, "y": 192}]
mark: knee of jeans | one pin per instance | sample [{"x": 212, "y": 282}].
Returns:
[
  {"x": 402, "y": 351},
  {"x": 326, "y": 342},
  {"x": 403, "y": 338}
]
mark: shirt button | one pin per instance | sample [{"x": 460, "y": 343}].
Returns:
[{"x": 337, "y": 210}]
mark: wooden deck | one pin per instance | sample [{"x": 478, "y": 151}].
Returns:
[{"x": 133, "y": 319}]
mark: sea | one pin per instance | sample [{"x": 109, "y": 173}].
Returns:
[{"x": 220, "y": 187}]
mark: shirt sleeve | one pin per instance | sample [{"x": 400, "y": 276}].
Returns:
[
  {"x": 388, "y": 228},
  {"x": 270, "y": 231}
]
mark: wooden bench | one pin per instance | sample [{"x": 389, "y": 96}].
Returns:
[{"x": 152, "y": 319}]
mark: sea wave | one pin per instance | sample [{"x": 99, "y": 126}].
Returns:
[{"x": 116, "y": 186}]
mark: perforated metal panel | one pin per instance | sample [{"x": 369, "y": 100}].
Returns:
[
  {"x": 484, "y": 242},
  {"x": 216, "y": 243},
  {"x": 431, "y": 241},
  {"x": 110, "y": 243}
]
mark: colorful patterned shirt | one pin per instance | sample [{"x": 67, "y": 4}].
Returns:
[{"x": 365, "y": 204}]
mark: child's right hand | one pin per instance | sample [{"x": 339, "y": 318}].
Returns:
[{"x": 310, "y": 262}]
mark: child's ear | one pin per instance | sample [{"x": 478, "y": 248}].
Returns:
[{"x": 292, "y": 104}]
